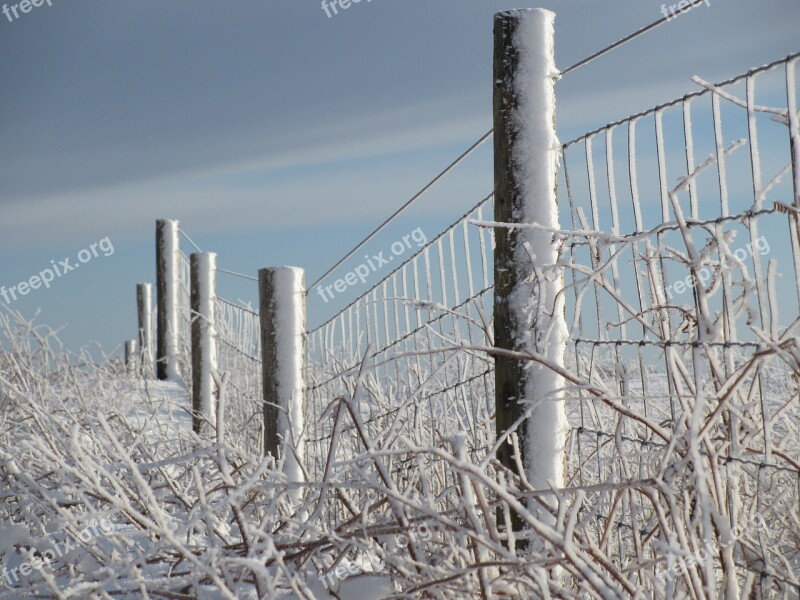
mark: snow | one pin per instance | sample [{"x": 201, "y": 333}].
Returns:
[
  {"x": 198, "y": 516},
  {"x": 536, "y": 300},
  {"x": 366, "y": 587}
]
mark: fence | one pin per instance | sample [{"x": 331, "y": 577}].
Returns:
[
  {"x": 676, "y": 311},
  {"x": 677, "y": 262}
]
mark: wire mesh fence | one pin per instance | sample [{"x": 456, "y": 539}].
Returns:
[
  {"x": 679, "y": 252},
  {"x": 683, "y": 287},
  {"x": 236, "y": 334},
  {"x": 408, "y": 329},
  {"x": 680, "y": 256},
  {"x": 238, "y": 356}
]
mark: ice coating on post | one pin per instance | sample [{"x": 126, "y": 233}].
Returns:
[
  {"x": 167, "y": 259},
  {"x": 204, "y": 348},
  {"x": 283, "y": 300},
  {"x": 536, "y": 307},
  {"x": 144, "y": 301}
]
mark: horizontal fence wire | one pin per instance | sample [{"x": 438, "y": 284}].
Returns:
[{"x": 461, "y": 158}]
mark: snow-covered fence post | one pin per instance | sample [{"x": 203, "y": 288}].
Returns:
[
  {"x": 203, "y": 267},
  {"x": 283, "y": 332},
  {"x": 144, "y": 305},
  {"x": 130, "y": 357},
  {"x": 528, "y": 310},
  {"x": 167, "y": 260}
]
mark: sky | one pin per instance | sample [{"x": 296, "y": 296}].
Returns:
[{"x": 280, "y": 135}]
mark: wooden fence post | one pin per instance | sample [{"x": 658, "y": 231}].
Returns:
[
  {"x": 283, "y": 332},
  {"x": 528, "y": 308},
  {"x": 130, "y": 357},
  {"x": 144, "y": 305},
  {"x": 204, "y": 345},
  {"x": 167, "y": 261}
]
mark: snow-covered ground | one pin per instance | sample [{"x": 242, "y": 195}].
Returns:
[{"x": 105, "y": 491}]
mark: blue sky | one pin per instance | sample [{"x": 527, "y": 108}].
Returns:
[{"x": 278, "y": 135}]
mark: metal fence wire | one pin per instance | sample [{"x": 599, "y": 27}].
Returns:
[
  {"x": 679, "y": 247},
  {"x": 680, "y": 252},
  {"x": 239, "y": 356},
  {"x": 405, "y": 327},
  {"x": 683, "y": 280}
]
